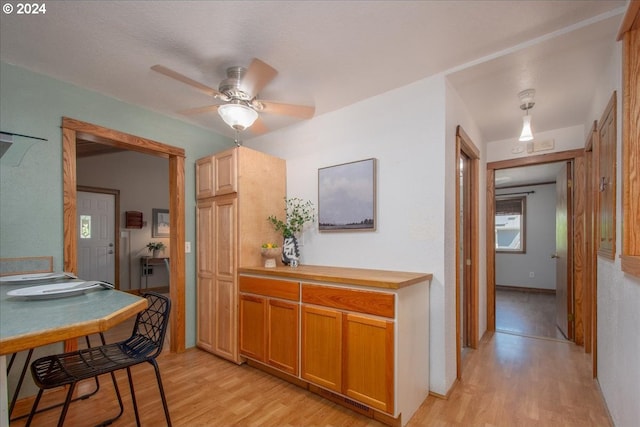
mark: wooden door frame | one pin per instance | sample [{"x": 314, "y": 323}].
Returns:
[
  {"x": 70, "y": 129},
  {"x": 464, "y": 145},
  {"x": 116, "y": 225},
  {"x": 591, "y": 251},
  {"x": 578, "y": 244}
]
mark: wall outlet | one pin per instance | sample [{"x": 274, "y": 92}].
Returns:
[
  {"x": 187, "y": 247},
  {"x": 531, "y": 274}
]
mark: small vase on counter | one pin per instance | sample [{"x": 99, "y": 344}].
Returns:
[{"x": 290, "y": 251}]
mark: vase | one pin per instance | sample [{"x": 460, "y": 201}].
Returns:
[
  {"x": 270, "y": 255},
  {"x": 156, "y": 253},
  {"x": 290, "y": 251}
]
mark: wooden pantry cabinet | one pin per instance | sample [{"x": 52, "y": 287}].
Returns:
[
  {"x": 362, "y": 338},
  {"x": 236, "y": 190}
]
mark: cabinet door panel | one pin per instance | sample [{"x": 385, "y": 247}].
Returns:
[
  {"x": 252, "y": 326},
  {"x": 282, "y": 347},
  {"x": 226, "y": 171},
  {"x": 225, "y": 315},
  {"x": 368, "y": 361},
  {"x": 205, "y": 178},
  {"x": 322, "y": 347},
  {"x": 204, "y": 333},
  {"x": 206, "y": 237}
]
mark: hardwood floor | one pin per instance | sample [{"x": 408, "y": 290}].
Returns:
[
  {"x": 528, "y": 313},
  {"x": 508, "y": 381}
]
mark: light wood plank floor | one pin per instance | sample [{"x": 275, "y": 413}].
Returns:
[
  {"x": 527, "y": 313},
  {"x": 508, "y": 381}
]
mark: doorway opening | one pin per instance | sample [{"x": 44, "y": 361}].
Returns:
[
  {"x": 530, "y": 230},
  {"x": 573, "y": 254},
  {"x": 72, "y": 130},
  {"x": 467, "y": 230}
]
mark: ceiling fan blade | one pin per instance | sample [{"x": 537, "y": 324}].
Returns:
[
  {"x": 199, "y": 110},
  {"x": 184, "y": 79},
  {"x": 299, "y": 111},
  {"x": 258, "y": 127},
  {"x": 258, "y": 75}
]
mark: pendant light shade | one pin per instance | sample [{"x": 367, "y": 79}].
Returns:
[
  {"x": 238, "y": 116},
  {"x": 526, "y": 103},
  {"x": 526, "y": 134}
]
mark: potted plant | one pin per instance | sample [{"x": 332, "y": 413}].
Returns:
[
  {"x": 298, "y": 213},
  {"x": 155, "y": 248}
]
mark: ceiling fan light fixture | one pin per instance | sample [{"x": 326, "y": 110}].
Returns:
[
  {"x": 238, "y": 116},
  {"x": 526, "y": 134}
]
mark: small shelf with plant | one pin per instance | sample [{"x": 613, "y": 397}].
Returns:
[{"x": 155, "y": 248}]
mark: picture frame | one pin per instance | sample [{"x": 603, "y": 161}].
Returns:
[
  {"x": 160, "y": 223},
  {"x": 347, "y": 196}
]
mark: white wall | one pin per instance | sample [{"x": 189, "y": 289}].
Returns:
[
  {"x": 143, "y": 183},
  {"x": 540, "y": 242},
  {"x": 618, "y": 294},
  {"x": 405, "y": 130}
]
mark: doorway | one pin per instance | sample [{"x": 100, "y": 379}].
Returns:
[
  {"x": 72, "y": 130},
  {"x": 576, "y": 243},
  {"x": 467, "y": 229},
  {"x": 530, "y": 233}
]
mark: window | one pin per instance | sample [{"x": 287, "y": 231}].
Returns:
[
  {"x": 510, "y": 224},
  {"x": 85, "y": 226}
]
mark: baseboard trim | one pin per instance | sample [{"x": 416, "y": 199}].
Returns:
[
  {"x": 525, "y": 289},
  {"x": 445, "y": 396}
]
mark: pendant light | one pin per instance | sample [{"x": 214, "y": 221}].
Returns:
[{"x": 526, "y": 103}]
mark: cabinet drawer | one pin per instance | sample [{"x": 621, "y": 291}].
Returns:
[
  {"x": 283, "y": 289},
  {"x": 369, "y": 302}
]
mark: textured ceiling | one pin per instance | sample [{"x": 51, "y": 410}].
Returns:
[{"x": 329, "y": 53}]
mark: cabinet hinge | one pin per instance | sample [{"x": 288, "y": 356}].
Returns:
[{"x": 570, "y": 317}]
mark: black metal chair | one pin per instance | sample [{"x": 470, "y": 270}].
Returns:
[{"x": 144, "y": 345}]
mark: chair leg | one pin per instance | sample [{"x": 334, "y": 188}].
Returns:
[
  {"x": 67, "y": 402},
  {"x": 164, "y": 399},
  {"x": 34, "y": 408},
  {"x": 20, "y": 380},
  {"x": 133, "y": 397}
]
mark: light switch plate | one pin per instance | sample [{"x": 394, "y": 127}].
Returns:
[{"x": 187, "y": 247}]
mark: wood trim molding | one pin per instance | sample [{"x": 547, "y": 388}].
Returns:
[
  {"x": 536, "y": 160},
  {"x": 631, "y": 147},
  {"x": 631, "y": 20},
  {"x": 464, "y": 145},
  {"x": 176, "y": 156}
]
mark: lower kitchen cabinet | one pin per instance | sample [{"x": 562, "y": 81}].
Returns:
[
  {"x": 322, "y": 347},
  {"x": 368, "y": 361},
  {"x": 362, "y": 336},
  {"x": 269, "y": 326},
  {"x": 252, "y": 326},
  {"x": 282, "y": 335}
]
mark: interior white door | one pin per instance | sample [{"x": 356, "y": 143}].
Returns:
[{"x": 96, "y": 236}]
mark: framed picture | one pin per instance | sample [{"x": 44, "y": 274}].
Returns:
[
  {"x": 160, "y": 223},
  {"x": 347, "y": 196}
]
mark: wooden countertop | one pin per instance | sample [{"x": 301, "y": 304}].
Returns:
[{"x": 351, "y": 276}]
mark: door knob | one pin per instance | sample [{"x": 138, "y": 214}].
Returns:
[{"x": 554, "y": 256}]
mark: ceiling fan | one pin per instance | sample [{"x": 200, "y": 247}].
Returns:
[{"x": 239, "y": 105}]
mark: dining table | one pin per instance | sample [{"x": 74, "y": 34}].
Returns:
[{"x": 32, "y": 321}]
